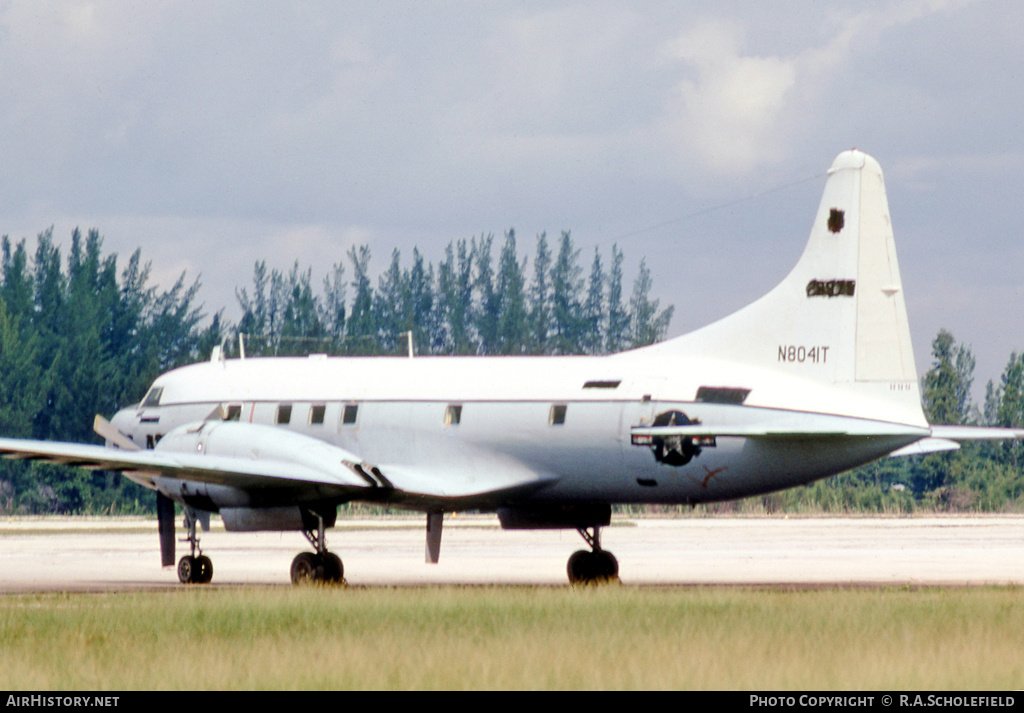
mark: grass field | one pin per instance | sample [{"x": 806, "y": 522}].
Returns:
[{"x": 614, "y": 637}]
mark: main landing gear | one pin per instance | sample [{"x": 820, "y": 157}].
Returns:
[
  {"x": 320, "y": 567},
  {"x": 194, "y": 568},
  {"x": 594, "y": 567}
]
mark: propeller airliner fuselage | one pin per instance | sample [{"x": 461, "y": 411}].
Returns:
[{"x": 814, "y": 378}]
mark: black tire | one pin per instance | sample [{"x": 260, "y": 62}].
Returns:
[
  {"x": 187, "y": 569},
  {"x": 592, "y": 567},
  {"x": 334, "y": 570},
  {"x": 306, "y": 569},
  {"x": 580, "y": 567},
  {"x": 607, "y": 567},
  {"x": 205, "y": 569}
]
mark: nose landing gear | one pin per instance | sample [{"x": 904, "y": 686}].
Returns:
[{"x": 194, "y": 568}]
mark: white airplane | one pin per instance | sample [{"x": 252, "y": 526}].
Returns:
[{"x": 814, "y": 378}]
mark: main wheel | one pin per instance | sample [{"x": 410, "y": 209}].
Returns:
[
  {"x": 592, "y": 567},
  {"x": 607, "y": 565},
  {"x": 580, "y": 567},
  {"x": 205, "y": 566},
  {"x": 306, "y": 569},
  {"x": 334, "y": 570}
]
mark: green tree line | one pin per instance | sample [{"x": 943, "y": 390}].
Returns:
[
  {"x": 81, "y": 335},
  {"x": 472, "y": 303}
]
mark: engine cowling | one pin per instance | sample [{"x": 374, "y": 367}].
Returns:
[
  {"x": 275, "y": 519},
  {"x": 227, "y": 465}
]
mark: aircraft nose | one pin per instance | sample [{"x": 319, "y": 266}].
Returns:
[{"x": 124, "y": 420}]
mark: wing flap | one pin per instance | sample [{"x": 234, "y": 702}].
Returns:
[
  {"x": 925, "y": 446},
  {"x": 452, "y": 484}
]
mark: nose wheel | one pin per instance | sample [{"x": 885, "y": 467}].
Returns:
[
  {"x": 194, "y": 568},
  {"x": 596, "y": 566}
]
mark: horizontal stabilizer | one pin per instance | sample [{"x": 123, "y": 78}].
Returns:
[
  {"x": 977, "y": 433},
  {"x": 799, "y": 428},
  {"x": 949, "y": 438},
  {"x": 925, "y": 446}
]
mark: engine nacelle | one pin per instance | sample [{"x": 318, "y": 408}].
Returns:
[
  {"x": 555, "y": 517},
  {"x": 252, "y": 441},
  {"x": 272, "y": 451},
  {"x": 276, "y": 519}
]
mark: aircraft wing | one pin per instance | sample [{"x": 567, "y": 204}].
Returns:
[{"x": 253, "y": 457}]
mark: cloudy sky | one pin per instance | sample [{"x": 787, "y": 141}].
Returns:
[{"x": 213, "y": 134}]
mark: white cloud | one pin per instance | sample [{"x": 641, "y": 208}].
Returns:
[{"x": 727, "y": 114}]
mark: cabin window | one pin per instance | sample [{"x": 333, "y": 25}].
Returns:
[
  {"x": 316, "y": 414},
  {"x": 348, "y": 416},
  {"x": 153, "y": 397},
  {"x": 556, "y": 417},
  {"x": 284, "y": 414},
  {"x": 453, "y": 415},
  {"x": 234, "y": 412}
]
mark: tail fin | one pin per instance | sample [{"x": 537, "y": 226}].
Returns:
[{"x": 839, "y": 316}]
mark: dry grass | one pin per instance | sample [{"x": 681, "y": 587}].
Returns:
[{"x": 515, "y": 638}]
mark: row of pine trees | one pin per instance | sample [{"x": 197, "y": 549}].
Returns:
[{"x": 472, "y": 303}]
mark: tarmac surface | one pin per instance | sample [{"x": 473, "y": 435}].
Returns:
[{"x": 110, "y": 554}]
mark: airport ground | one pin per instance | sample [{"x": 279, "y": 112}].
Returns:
[
  {"x": 737, "y": 603},
  {"x": 91, "y": 554}
]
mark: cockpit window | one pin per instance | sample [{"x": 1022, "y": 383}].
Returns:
[{"x": 153, "y": 397}]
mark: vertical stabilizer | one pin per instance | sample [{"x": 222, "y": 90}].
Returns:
[{"x": 839, "y": 316}]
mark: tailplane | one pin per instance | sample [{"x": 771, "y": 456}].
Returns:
[{"x": 839, "y": 316}]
